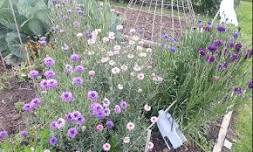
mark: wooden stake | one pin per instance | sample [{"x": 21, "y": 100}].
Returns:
[
  {"x": 147, "y": 140},
  {"x": 223, "y": 132}
]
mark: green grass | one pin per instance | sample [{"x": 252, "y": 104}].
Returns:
[{"x": 244, "y": 114}]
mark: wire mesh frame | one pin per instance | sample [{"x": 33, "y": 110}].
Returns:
[{"x": 170, "y": 17}]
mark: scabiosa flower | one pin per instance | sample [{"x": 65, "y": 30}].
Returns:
[
  {"x": 93, "y": 95},
  {"x": 147, "y": 107},
  {"x": 221, "y": 28},
  {"x": 236, "y": 34},
  {"x": 92, "y": 73},
  {"x": 49, "y": 62},
  {"x": 117, "y": 109},
  {"x": 202, "y": 52},
  {"x": 60, "y": 123},
  {"x": 33, "y": 74},
  {"x": 130, "y": 126},
  {"x": 77, "y": 81},
  {"x": 27, "y": 107},
  {"x": 79, "y": 69},
  {"x": 99, "y": 127},
  {"x": 150, "y": 146},
  {"x": 126, "y": 140},
  {"x": 223, "y": 66},
  {"x": 23, "y": 133},
  {"x": 106, "y": 102},
  {"x": 35, "y": 103},
  {"x": 49, "y": 74},
  {"x": 52, "y": 83},
  {"x": 238, "y": 47},
  {"x": 109, "y": 124},
  {"x": 115, "y": 70},
  {"x": 173, "y": 49},
  {"x": 68, "y": 69},
  {"x": 72, "y": 133},
  {"x": 67, "y": 96},
  {"x": 212, "y": 48},
  {"x": 140, "y": 76},
  {"x": 43, "y": 41},
  {"x": 119, "y": 27},
  {"x": 3, "y": 135},
  {"x": 53, "y": 125},
  {"x": 123, "y": 104},
  {"x": 106, "y": 147},
  {"x": 250, "y": 84},
  {"x": 235, "y": 57},
  {"x": 238, "y": 91},
  {"x": 75, "y": 57},
  {"x": 107, "y": 111},
  {"x": 153, "y": 119},
  {"x": 43, "y": 84},
  {"x": 53, "y": 140},
  {"x": 210, "y": 59}
]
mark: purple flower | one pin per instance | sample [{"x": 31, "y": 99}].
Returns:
[
  {"x": 210, "y": 59},
  {"x": 221, "y": 29},
  {"x": 212, "y": 48},
  {"x": 49, "y": 62},
  {"x": 35, "y": 103},
  {"x": 238, "y": 91},
  {"x": 52, "y": 84},
  {"x": 27, "y": 107},
  {"x": 250, "y": 84},
  {"x": 208, "y": 28},
  {"x": 235, "y": 57},
  {"x": 69, "y": 11},
  {"x": 202, "y": 52},
  {"x": 238, "y": 47},
  {"x": 53, "y": 125},
  {"x": 117, "y": 109},
  {"x": 107, "y": 111},
  {"x": 76, "y": 24},
  {"x": 200, "y": 23},
  {"x": 68, "y": 69},
  {"x": 223, "y": 66},
  {"x": 165, "y": 36},
  {"x": 23, "y": 133},
  {"x": 79, "y": 69},
  {"x": 249, "y": 54},
  {"x": 123, "y": 104},
  {"x": 173, "y": 49},
  {"x": 33, "y": 74},
  {"x": 77, "y": 81},
  {"x": 72, "y": 132},
  {"x": 231, "y": 44},
  {"x": 43, "y": 84},
  {"x": 75, "y": 58},
  {"x": 75, "y": 117},
  {"x": 97, "y": 110},
  {"x": 109, "y": 124},
  {"x": 49, "y": 74},
  {"x": 236, "y": 35},
  {"x": 53, "y": 140},
  {"x": 93, "y": 95},
  {"x": 43, "y": 41},
  {"x": 67, "y": 96},
  {"x": 3, "y": 135},
  {"x": 218, "y": 43}
]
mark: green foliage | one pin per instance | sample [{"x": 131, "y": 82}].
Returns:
[{"x": 32, "y": 19}]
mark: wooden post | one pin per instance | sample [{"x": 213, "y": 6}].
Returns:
[{"x": 147, "y": 140}]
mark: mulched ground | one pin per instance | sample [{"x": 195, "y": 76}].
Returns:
[
  {"x": 145, "y": 21},
  {"x": 10, "y": 118}
]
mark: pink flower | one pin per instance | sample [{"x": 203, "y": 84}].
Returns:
[
  {"x": 154, "y": 119},
  {"x": 99, "y": 127},
  {"x": 130, "y": 126},
  {"x": 106, "y": 147},
  {"x": 140, "y": 76},
  {"x": 147, "y": 107},
  {"x": 92, "y": 73},
  {"x": 150, "y": 146}
]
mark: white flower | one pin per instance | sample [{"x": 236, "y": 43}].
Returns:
[
  {"x": 101, "y": 4},
  {"x": 79, "y": 35},
  {"x": 115, "y": 70},
  {"x": 120, "y": 86},
  {"x": 130, "y": 126},
  {"x": 132, "y": 74},
  {"x": 126, "y": 140},
  {"x": 97, "y": 31},
  {"x": 150, "y": 145},
  {"x": 131, "y": 42},
  {"x": 139, "y": 48},
  {"x": 137, "y": 68},
  {"x": 157, "y": 79},
  {"x": 91, "y": 53},
  {"x": 112, "y": 62},
  {"x": 91, "y": 41},
  {"x": 106, "y": 102},
  {"x": 142, "y": 54},
  {"x": 147, "y": 107},
  {"x": 92, "y": 73},
  {"x": 139, "y": 90},
  {"x": 119, "y": 27},
  {"x": 135, "y": 38},
  {"x": 115, "y": 52},
  {"x": 61, "y": 123},
  {"x": 105, "y": 39},
  {"x": 124, "y": 67},
  {"x": 110, "y": 53},
  {"x": 130, "y": 56},
  {"x": 140, "y": 76},
  {"x": 116, "y": 48},
  {"x": 106, "y": 147},
  {"x": 105, "y": 59},
  {"x": 111, "y": 35},
  {"x": 132, "y": 31},
  {"x": 149, "y": 50},
  {"x": 154, "y": 119}
]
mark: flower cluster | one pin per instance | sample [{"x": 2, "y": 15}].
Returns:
[{"x": 32, "y": 105}]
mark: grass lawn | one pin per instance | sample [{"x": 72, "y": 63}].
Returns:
[{"x": 244, "y": 114}]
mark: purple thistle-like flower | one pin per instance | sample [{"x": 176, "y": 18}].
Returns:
[
  {"x": 238, "y": 47},
  {"x": 27, "y": 107},
  {"x": 69, "y": 117},
  {"x": 49, "y": 74},
  {"x": 23, "y": 133},
  {"x": 53, "y": 140},
  {"x": 75, "y": 117},
  {"x": 97, "y": 110},
  {"x": 3, "y": 135},
  {"x": 49, "y": 62},
  {"x": 210, "y": 59},
  {"x": 123, "y": 104},
  {"x": 109, "y": 124},
  {"x": 173, "y": 49},
  {"x": 212, "y": 48},
  {"x": 93, "y": 95},
  {"x": 202, "y": 52},
  {"x": 218, "y": 43},
  {"x": 250, "y": 84},
  {"x": 43, "y": 84},
  {"x": 165, "y": 36},
  {"x": 72, "y": 133},
  {"x": 117, "y": 109},
  {"x": 53, "y": 125},
  {"x": 67, "y": 96},
  {"x": 33, "y": 74},
  {"x": 80, "y": 120},
  {"x": 235, "y": 57},
  {"x": 79, "y": 69},
  {"x": 221, "y": 29},
  {"x": 231, "y": 44},
  {"x": 236, "y": 34},
  {"x": 77, "y": 81},
  {"x": 52, "y": 84},
  {"x": 223, "y": 66},
  {"x": 100, "y": 114},
  {"x": 75, "y": 57},
  {"x": 238, "y": 91},
  {"x": 35, "y": 103},
  {"x": 43, "y": 41}
]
